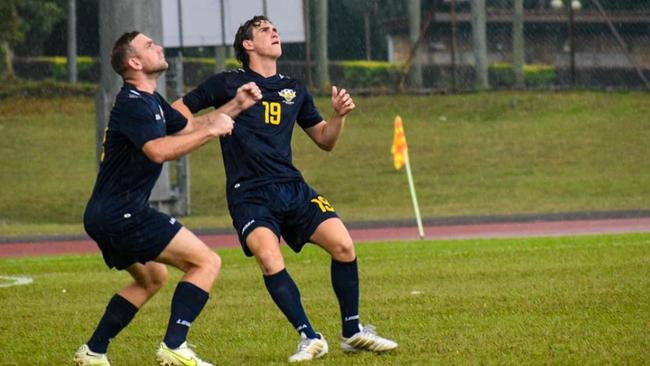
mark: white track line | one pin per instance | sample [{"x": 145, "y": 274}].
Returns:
[{"x": 15, "y": 281}]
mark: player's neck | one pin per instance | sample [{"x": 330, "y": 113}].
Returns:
[
  {"x": 143, "y": 83},
  {"x": 264, "y": 67}
]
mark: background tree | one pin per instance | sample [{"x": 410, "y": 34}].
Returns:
[
  {"x": 9, "y": 35},
  {"x": 37, "y": 20}
]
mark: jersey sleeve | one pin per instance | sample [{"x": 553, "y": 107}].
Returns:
[
  {"x": 139, "y": 123},
  {"x": 308, "y": 115},
  {"x": 210, "y": 93},
  {"x": 174, "y": 120}
]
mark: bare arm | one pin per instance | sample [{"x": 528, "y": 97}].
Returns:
[
  {"x": 247, "y": 95},
  {"x": 173, "y": 147},
  {"x": 327, "y": 133}
]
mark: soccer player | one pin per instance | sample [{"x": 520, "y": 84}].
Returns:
[
  {"x": 143, "y": 132},
  {"x": 267, "y": 196}
]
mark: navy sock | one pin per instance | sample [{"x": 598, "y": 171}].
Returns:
[
  {"x": 118, "y": 315},
  {"x": 287, "y": 297},
  {"x": 187, "y": 303},
  {"x": 345, "y": 280}
]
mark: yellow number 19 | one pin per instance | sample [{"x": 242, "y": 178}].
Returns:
[
  {"x": 272, "y": 112},
  {"x": 323, "y": 204}
]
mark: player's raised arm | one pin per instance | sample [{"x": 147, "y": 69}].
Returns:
[
  {"x": 172, "y": 147},
  {"x": 247, "y": 95},
  {"x": 327, "y": 133}
]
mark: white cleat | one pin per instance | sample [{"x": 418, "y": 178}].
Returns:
[
  {"x": 85, "y": 357},
  {"x": 367, "y": 340},
  {"x": 181, "y": 356},
  {"x": 309, "y": 349}
]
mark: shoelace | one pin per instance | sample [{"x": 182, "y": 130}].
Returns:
[
  {"x": 370, "y": 329},
  {"x": 303, "y": 344}
]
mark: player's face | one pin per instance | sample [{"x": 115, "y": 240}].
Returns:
[
  {"x": 150, "y": 54},
  {"x": 266, "y": 40}
]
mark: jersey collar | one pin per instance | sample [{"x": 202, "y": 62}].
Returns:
[{"x": 255, "y": 75}]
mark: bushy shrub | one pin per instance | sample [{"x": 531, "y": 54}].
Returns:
[
  {"x": 46, "y": 89},
  {"x": 197, "y": 69},
  {"x": 370, "y": 74},
  {"x": 536, "y": 76},
  {"x": 87, "y": 68}
]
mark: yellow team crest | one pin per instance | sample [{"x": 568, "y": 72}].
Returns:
[{"x": 288, "y": 94}]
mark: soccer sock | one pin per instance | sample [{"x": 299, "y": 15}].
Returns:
[
  {"x": 345, "y": 280},
  {"x": 118, "y": 315},
  {"x": 287, "y": 297},
  {"x": 187, "y": 303}
]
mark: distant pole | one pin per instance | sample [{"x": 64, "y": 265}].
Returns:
[
  {"x": 320, "y": 45},
  {"x": 220, "y": 51},
  {"x": 454, "y": 44},
  {"x": 572, "y": 47},
  {"x": 307, "y": 25},
  {"x": 366, "y": 31},
  {"x": 415, "y": 24},
  {"x": 72, "y": 41},
  {"x": 183, "y": 163},
  {"x": 518, "y": 51},
  {"x": 479, "y": 35}
]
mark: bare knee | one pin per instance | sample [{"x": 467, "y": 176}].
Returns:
[
  {"x": 211, "y": 264},
  {"x": 270, "y": 261},
  {"x": 343, "y": 250}
]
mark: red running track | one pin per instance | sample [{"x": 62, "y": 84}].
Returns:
[{"x": 465, "y": 231}]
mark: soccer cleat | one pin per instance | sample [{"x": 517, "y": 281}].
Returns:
[
  {"x": 309, "y": 348},
  {"x": 85, "y": 357},
  {"x": 181, "y": 356},
  {"x": 367, "y": 340}
]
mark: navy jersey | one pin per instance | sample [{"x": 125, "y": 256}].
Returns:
[
  {"x": 258, "y": 151},
  {"x": 126, "y": 175}
]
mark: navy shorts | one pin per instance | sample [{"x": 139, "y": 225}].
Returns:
[
  {"x": 291, "y": 210},
  {"x": 138, "y": 238}
]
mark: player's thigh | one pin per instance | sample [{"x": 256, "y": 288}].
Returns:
[
  {"x": 265, "y": 246},
  {"x": 187, "y": 251},
  {"x": 333, "y": 236}
]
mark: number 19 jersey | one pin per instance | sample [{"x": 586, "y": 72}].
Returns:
[{"x": 258, "y": 151}]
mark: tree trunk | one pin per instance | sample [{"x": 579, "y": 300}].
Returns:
[{"x": 6, "y": 62}]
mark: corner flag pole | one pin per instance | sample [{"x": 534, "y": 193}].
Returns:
[
  {"x": 416, "y": 207},
  {"x": 401, "y": 158}
]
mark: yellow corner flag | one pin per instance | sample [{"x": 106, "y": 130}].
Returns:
[
  {"x": 400, "y": 159},
  {"x": 399, "y": 148}
]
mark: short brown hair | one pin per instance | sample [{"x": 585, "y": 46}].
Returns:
[
  {"x": 245, "y": 32},
  {"x": 121, "y": 50}
]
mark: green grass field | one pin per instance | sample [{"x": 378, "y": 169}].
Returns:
[
  {"x": 571, "y": 300},
  {"x": 473, "y": 154}
]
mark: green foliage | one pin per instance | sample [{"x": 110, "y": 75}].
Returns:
[
  {"x": 545, "y": 301},
  {"x": 370, "y": 74},
  {"x": 197, "y": 69},
  {"x": 37, "y": 19},
  {"x": 87, "y": 67},
  {"x": 45, "y": 89},
  {"x": 535, "y": 76},
  {"x": 10, "y": 25}
]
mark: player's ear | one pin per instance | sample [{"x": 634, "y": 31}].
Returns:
[
  {"x": 134, "y": 63},
  {"x": 248, "y": 44}
]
